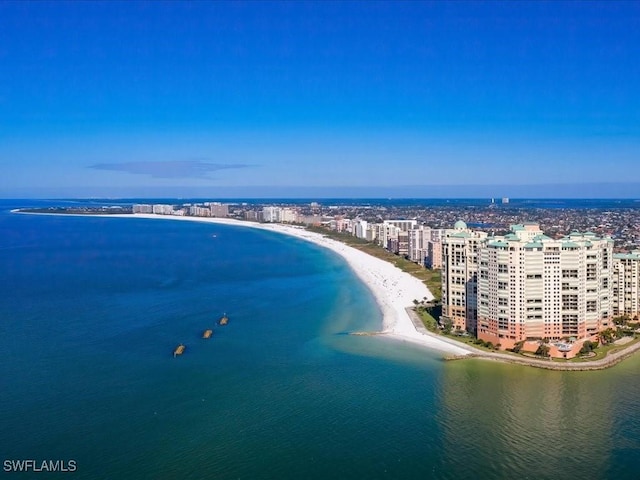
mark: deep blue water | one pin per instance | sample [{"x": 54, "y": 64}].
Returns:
[{"x": 92, "y": 308}]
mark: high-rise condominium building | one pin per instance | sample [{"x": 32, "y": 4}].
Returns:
[
  {"x": 531, "y": 286},
  {"x": 460, "y": 248},
  {"x": 626, "y": 284},
  {"x": 527, "y": 285}
]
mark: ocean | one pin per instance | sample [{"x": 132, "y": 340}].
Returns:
[{"x": 91, "y": 310}]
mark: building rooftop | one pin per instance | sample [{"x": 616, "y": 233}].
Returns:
[
  {"x": 460, "y": 225},
  {"x": 627, "y": 256},
  {"x": 460, "y": 235},
  {"x": 570, "y": 245},
  {"x": 497, "y": 243}
]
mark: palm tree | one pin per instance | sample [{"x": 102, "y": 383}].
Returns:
[{"x": 606, "y": 336}]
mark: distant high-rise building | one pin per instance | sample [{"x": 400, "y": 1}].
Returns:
[
  {"x": 160, "y": 209},
  {"x": 288, "y": 215},
  {"x": 433, "y": 258},
  {"x": 418, "y": 240},
  {"x": 359, "y": 228},
  {"x": 219, "y": 209},
  {"x": 271, "y": 214},
  {"x": 460, "y": 248},
  {"x": 142, "y": 208},
  {"x": 626, "y": 284}
]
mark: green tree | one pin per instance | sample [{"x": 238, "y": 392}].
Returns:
[
  {"x": 588, "y": 347},
  {"x": 622, "y": 320},
  {"x": 517, "y": 347},
  {"x": 543, "y": 350},
  {"x": 447, "y": 325},
  {"x": 606, "y": 336}
]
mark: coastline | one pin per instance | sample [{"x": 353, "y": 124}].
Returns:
[
  {"x": 394, "y": 292},
  {"x": 393, "y": 289},
  {"x": 471, "y": 352}
]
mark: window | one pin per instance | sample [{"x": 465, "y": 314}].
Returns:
[{"x": 569, "y": 273}]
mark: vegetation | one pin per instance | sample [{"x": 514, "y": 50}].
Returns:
[
  {"x": 543, "y": 350},
  {"x": 607, "y": 336},
  {"x": 429, "y": 322},
  {"x": 103, "y": 210},
  {"x": 517, "y": 347},
  {"x": 603, "y": 350},
  {"x": 431, "y": 278},
  {"x": 623, "y": 320},
  {"x": 588, "y": 347},
  {"x": 625, "y": 326},
  {"x": 430, "y": 311}
]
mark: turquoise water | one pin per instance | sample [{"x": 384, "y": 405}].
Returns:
[{"x": 92, "y": 308}]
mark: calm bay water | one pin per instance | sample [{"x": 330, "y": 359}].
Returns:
[{"x": 91, "y": 309}]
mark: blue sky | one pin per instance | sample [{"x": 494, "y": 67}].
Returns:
[{"x": 186, "y": 98}]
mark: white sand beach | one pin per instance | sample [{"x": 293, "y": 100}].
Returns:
[{"x": 393, "y": 289}]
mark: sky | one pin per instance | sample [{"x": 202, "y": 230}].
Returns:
[{"x": 222, "y": 99}]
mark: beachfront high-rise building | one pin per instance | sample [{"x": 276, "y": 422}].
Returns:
[
  {"x": 271, "y": 214},
  {"x": 199, "y": 211},
  {"x": 532, "y": 286},
  {"x": 404, "y": 225},
  {"x": 142, "y": 208},
  {"x": 526, "y": 285},
  {"x": 385, "y": 233},
  {"x": 159, "y": 209},
  {"x": 433, "y": 259},
  {"x": 390, "y": 235},
  {"x": 288, "y": 215},
  {"x": 218, "y": 209},
  {"x": 342, "y": 224},
  {"x": 371, "y": 233},
  {"x": 460, "y": 248},
  {"x": 419, "y": 237},
  {"x": 626, "y": 284},
  {"x": 359, "y": 228}
]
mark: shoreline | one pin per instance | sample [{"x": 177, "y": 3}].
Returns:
[
  {"x": 394, "y": 292},
  {"x": 392, "y": 289},
  {"x": 609, "y": 361}
]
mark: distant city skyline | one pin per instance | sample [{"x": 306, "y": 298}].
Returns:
[
  {"x": 319, "y": 99},
  {"x": 623, "y": 191}
]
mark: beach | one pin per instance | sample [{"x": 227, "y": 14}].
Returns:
[
  {"x": 394, "y": 292},
  {"x": 393, "y": 289},
  {"x": 97, "y": 307}
]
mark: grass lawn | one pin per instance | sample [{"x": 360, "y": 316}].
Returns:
[
  {"x": 429, "y": 322},
  {"x": 602, "y": 352}
]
